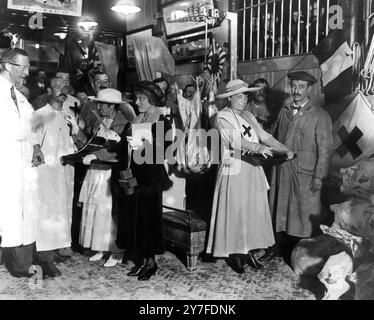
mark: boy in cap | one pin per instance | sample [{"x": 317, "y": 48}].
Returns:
[{"x": 306, "y": 129}]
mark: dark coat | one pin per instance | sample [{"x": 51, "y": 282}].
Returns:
[{"x": 140, "y": 224}]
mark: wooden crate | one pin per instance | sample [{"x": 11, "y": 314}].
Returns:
[{"x": 186, "y": 231}]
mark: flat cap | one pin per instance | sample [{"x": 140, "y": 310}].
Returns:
[{"x": 302, "y": 75}]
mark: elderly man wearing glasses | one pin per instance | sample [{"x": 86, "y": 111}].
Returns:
[{"x": 17, "y": 165}]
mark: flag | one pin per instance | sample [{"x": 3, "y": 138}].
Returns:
[
  {"x": 152, "y": 56},
  {"x": 94, "y": 61},
  {"x": 72, "y": 56},
  {"x": 353, "y": 131},
  {"x": 88, "y": 68},
  {"x": 336, "y": 62},
  {"x": 108, "y": 57},
  {"x": 216, "y": 60}
]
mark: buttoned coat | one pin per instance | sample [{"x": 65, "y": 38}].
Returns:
[
  {"x": 295, "y": 208},
  {"x": 18, "y": 177}
]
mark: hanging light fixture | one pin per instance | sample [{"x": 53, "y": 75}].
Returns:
[
  {"x": 87, "y": 24},
  {"x": 125, "y": 7},
  {"x": 61, "y": 35}
]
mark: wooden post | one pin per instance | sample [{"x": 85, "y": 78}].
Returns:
[{"x": 233, "y": 41}]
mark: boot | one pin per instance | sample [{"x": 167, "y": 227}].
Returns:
[{"x": 235, "y": 262}]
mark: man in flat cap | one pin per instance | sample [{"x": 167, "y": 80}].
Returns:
[{"x": 306, "y": 129}]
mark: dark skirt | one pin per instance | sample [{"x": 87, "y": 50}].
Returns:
[{"x": 140, "y": 225}]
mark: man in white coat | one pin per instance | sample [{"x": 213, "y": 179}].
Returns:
[
  {"x": 55, "y": 181},
  {"x": 17, "y": 165}
]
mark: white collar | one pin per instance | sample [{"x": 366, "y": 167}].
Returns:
[
  {"x": 301, "y": 106},
  {"x": 5, "y": 82}
]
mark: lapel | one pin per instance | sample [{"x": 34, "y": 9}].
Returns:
[{"x": 119, "y": 120}]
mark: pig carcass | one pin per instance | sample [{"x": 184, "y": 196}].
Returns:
[
  {"x": 363, "y": 279},
  {"x": 334, "y": 274},
  {"x": 356, "y": 217},
  {"x": 359, "y": 177},
  {"x": 310, "y": 255}
]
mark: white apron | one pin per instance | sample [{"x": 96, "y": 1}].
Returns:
[{"x": 56, "y": 184}]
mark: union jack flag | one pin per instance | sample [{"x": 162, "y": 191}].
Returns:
[{"x": 92, "y": 64}]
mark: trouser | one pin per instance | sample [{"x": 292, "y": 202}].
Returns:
[{"x": 18, "y": 260}]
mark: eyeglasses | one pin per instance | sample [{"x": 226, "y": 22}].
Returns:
[{"x": 19, "y": 65}]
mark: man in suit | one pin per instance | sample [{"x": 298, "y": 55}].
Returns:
[{"x": 306, "y": 129}]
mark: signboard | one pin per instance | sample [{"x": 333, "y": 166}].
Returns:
[
  {"x": 62, "y": 7},
  {"x": 180, "y": 17}
]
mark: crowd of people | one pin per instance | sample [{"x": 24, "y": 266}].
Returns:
[{"x": 110, "y": 203}]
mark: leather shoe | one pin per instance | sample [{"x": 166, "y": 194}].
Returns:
[
  {"x": 268, "y": 256},
  {"x": 252, "y": 261},
  {"x": 50, "y": 270},
  {"x": 235, "y": 263},
  {"x": 21, "y": 274},
  {"x": 135, "y": 271},
  {"x": 147, "y": 272}
]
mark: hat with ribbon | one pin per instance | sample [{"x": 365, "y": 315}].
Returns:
[
  {"x": 109, "y": 95},
  {"x": 236, "y": 86}
]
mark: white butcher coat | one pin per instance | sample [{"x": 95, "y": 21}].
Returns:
[
  {"x": 55, "y": 182},
  {"x": 17, "y": 176}
]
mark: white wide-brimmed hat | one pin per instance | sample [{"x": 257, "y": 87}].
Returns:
[
  {"x": 108, "y": 95},
  {"x": 236, "y": 86}
]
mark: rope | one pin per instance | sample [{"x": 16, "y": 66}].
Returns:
[{"x": 358, "y": 62}]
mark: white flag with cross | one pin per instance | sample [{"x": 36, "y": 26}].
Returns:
[{"x": 353, "y": 133}]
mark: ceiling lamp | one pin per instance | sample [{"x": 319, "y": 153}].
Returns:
[
  {"x": 87, "y": 24},
  {"x": 124, "y": 7}
]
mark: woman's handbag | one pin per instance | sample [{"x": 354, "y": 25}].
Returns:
[{"x": 127, "y": 181}]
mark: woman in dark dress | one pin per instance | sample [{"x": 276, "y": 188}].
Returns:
[{"x": 140, "y": 226}]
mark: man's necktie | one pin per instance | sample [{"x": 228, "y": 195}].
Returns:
[
  {"x": 296, "y": 108},
  {"x": 14, "y": 97}
]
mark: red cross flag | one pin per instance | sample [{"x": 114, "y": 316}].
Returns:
[{"x": 353, "y": 130}]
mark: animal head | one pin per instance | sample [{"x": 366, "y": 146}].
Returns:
[{"x": 334, "y": 273}]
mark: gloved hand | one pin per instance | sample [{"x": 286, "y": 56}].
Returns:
[
  {"x": 135, "y": 144},
  {"x": 88, "y": 159},
  {"x": 112, "y": 135},
  {"x": 70, "y": 120}
]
